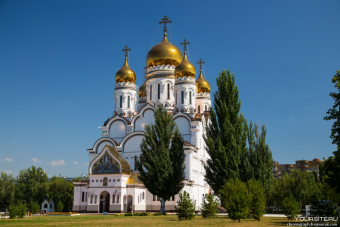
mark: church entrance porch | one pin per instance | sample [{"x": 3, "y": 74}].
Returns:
[{"x": 104, "y": 205}]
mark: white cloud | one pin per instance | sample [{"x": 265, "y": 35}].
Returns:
[
  {"x": 74, "y": 162},
  {"x": 86, "y": 163},
  {"x": 7, "y": 171},
  {"x": 7, "y": 160},
  {"x": 35, "y": 160},
  {"x": 57, "y": 162}
]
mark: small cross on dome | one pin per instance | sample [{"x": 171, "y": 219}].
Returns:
[
  {"x": 164, "y": 21},
  {"x": 185, "y": 45},
  {"x": 126, "y": 51},
  {"x": 200, "y": 63}
]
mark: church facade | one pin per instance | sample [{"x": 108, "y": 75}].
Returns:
[{"x": 170, "y": 81}]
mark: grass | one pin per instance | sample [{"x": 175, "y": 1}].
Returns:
[{"x": 113, "y": 220}]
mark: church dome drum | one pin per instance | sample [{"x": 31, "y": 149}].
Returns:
[{"x": 164, "y": 53}]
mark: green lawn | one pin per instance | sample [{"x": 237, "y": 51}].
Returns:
[{"x": 111, "y": 220}]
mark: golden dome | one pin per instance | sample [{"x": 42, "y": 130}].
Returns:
[
  {"x": 125, "y": 74},
  {"x": 164, "y": 53},
  {"x": 185, "y": 68},
  {"x": 141, "y": 91},
  {"x": 202, "y": 85}
]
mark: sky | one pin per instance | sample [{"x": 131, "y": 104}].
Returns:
[{"x": 58, "y": 60}]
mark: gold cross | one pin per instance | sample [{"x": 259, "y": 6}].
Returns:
[
  {"x": 126, "y": 51},
  {"x": 164, "y": 21},
  {"x": 185, "y": 44},
  {"x": 201, "y": 63}
]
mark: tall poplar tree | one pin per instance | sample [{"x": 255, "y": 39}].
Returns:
[
  {"x": 259, "y": 157},
  {"x": 162, "y": 161},
  {"x": 226, "y": 135}
]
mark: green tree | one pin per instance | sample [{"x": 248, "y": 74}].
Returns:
[
  {"x": 226, "y": 135},
  {"x": 61, "y": 190},
  {"x": 291, "y": 207},
  {"x": 260, "y": 157},
  {"x": 257, "y": 204},
  {"x": 7, "y": 188},
  {"x": 326, "y": 205},
  {"x": 185, "y": 208},
  {"x": 60, "y": 206},
  {"x": 161, "y": 165},
  {"x": 332, "y": 166},
  {"x": 235, "y": 198},
  {"x": 301, "y": 185},
  {"x": 34, "y": 207},
  {"x": 209, "y": 206},
  {"x": 27, "y": 187}
]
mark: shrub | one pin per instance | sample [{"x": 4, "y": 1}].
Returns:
[
  {"x": 257, "y": 203},
  {"x": 17, "y": 211},
  {"x": 157, "y": 214},
  {"x": 235, "y": 199},
  {"x": 128, "y": 214},
  {"x": 185, "y": 208},
  {"x": 143, "y": 214},
  {"x": 209, "y": 206},
  {"x": 117, "y": 215},
  {"x": 290, "y": 207}
]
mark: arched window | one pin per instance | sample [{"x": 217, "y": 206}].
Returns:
[
  {"x": 199, "y": 109},
  {"x": 45, "y": 206},
  {"x": 105, "y": 181},
  {"x": 138, "y": 199},
  {"x": 120, "y": 101},
  {"x": 168, "y": 91},
  {"x": 51, "y": 206},
  {"x": 95, "y": 199},
  {"x": 182, "y": 97},
  {"x": 206, "y": 108},
  {"x": 159, "y": 91},
  {"x": 113, "y": 198},
  {"x": 128, "y": 101},
  {"x": 190, "y": 97},
  {"x": 86, "y": 197},
  {"x": 83, "y": 196},
  {"x": 143, "y": 195},
  {"x": 91, "y": 200},
  {"x": 150, "y": 92},
  {"x": 118, "y": 198}
]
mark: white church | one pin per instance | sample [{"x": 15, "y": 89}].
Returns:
[{"x": 170, "y": 80}]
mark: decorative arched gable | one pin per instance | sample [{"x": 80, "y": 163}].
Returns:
[
  {"x": 146, "y": 116},
  {"x": 130, "y": 136},
  {"x": 109, "y": 161}
]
